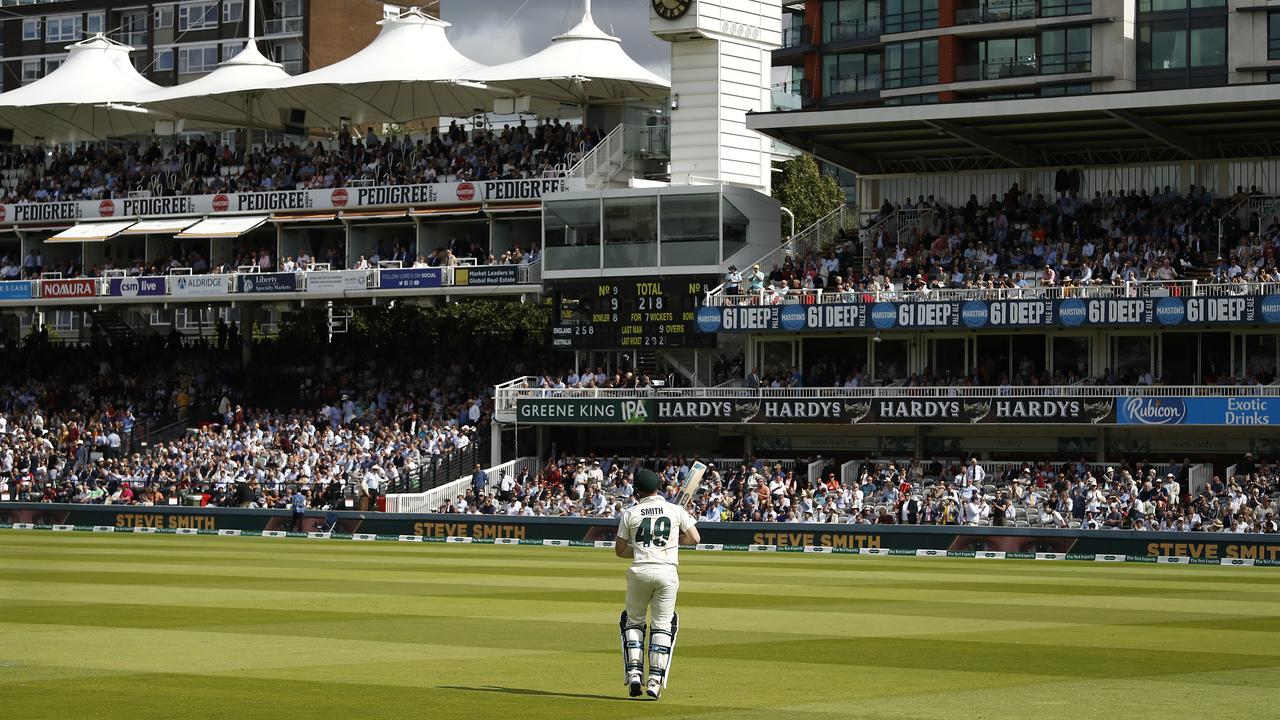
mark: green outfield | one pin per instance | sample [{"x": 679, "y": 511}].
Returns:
[{"x": 109, "y": 626}]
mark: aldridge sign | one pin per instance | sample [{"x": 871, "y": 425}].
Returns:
[{"x": 830, "y": 411}]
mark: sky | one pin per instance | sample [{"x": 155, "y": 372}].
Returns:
[{"x": 496, "y": 31}]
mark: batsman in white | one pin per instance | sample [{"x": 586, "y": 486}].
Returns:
[{"x": 650, "y": 533}]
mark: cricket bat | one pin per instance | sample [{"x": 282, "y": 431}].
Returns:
[{"x": 689, "y": 488}]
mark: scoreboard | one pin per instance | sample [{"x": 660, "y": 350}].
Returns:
[{"x": 629, "y": 314}]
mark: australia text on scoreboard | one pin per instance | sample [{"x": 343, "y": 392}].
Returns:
[
  {"x": 484, "y": 191},
  {"x": 978, "y": 314}
]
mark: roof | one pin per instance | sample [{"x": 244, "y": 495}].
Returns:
[
  {"x": 207, "y": 97},
  {"x": 409, "y": 71},
  {"x": 74, "y": 101},
  {"x": 1102, "y": 129},
  {"x": 584, "y": 66}
]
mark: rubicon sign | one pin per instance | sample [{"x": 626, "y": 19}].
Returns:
[
  {"x": 466, "y": 191},
  {"x": 338, "y": 198},
  {"x": 67, "y": 288},
  {"x": 221, "y": 203},
  {"x": 106, "y": 208}
]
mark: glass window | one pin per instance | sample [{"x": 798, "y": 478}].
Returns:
[
  {"x": 232, "y": 11},
  {"x": 288, "y": 18},
  {"x": 198, "y": 59},
  {"x": 690, "y": 229},
  {"x": 164, "y": 16},
  {"x": 908, "y": 15},
  {"x": 1066, "y": 51},
  {"x": 1209, "y": 46},
  {"x": 1167, "y": 5},
  {"x": 133, "y": 29},
  {"x": 850, "y": 73},
  {"x": 197, "y": 17},
  {"x": 93, "y": 23},
  {"x": 1162, "y": 46},
  {"x": 62, "y": 29},
  {"x": 631, "y": 232},
  {"x": 734, "y": 227},
  {"x": 230, "y": 49},
  {"x": 164, "y": 60},
  {"x": 32, "y": 70},
  {"x": 850, "y": 19},
  {"x": 51, "y": 64},
  {"x": 571, "y": 234},
  {"x": 1273, "y": 36},
  {"x": 31, "y": 28},
  {"x": 1056, "y": 8},
  {"x": 289, "y": 54},
  {"x": 908, "y": 64}
]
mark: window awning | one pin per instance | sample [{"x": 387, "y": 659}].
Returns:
[
  {"x": 159, "y": 227},
  {"x": 224, "y": 226},
  {"x": 303, "y": 217},
  {"x": 373, "y": 214},
  {"x": 513, "y": 208},
  {"x": 91, "y": 232},
  {"x": 445, "y": 211}
]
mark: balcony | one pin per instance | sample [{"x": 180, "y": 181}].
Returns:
[
  {"x": 853, "y": 84},
  {"x": 797, "y": 36},
  {"x": 796, "y": 41},
  {"x": 1000, "y": 11},
  {"x": 999, "y": 69},
  {"x": 997, "y": 11},
  {"x": 791, "y": 95},
  {"x": 848, "y": 31}
]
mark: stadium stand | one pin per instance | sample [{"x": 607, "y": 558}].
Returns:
[
  {"x": 96, "y": 171},
  {"x": 1130, "y": 496}
]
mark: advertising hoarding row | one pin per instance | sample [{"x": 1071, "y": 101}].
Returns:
[{"x": 992, "y": 314}]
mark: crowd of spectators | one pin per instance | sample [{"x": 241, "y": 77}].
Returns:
[
  {"x": 346, "y": 423},
  {"x": 1011, "y": 244},
  {"x": 1138, "y": 496},
  {"x": 111, "y": 170},
  {"x": 262, "y": 258}
]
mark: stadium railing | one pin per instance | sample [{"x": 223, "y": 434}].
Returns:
[
  {"x": 524, "y": 388},
  {"x": 431, "y": 500},
  {"x": 1132, "y": 289}
]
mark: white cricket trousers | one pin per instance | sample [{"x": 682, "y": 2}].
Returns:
[{"x": 652, "y": 588}]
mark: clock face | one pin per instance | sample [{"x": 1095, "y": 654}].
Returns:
[{"x": 671, "y": 9}]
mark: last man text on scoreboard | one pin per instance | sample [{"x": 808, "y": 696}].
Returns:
[{"x": 629, "y": 314}]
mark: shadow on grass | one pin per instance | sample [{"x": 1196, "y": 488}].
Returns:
[{"x": 534, "y": 693}]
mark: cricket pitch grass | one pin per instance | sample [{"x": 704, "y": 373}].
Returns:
[{"x": 136, "y": 627}]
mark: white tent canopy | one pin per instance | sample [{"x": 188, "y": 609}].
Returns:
[
  {"x": 409, "y": 71},
  {"x": 74, "y": 101},
  {"x": 584, "y": 66},
  {"x": 216, "y": 98}
]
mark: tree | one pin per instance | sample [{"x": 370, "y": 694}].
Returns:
[{"x": 807, "y": 191}]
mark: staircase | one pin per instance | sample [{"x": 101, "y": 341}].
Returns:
[
  {"x": 114, "y": 327},
  {"x": 622, "y": 154}
]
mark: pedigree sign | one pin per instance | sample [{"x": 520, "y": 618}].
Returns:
[{"x": 432, "y": 194}]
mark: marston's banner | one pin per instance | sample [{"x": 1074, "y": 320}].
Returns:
[
  {"x": 831, "y": 411},
  {"x": 1198, "y": 411},
  {"x": 979, "y": 314},
  {"x": 278, "y": 200}
]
